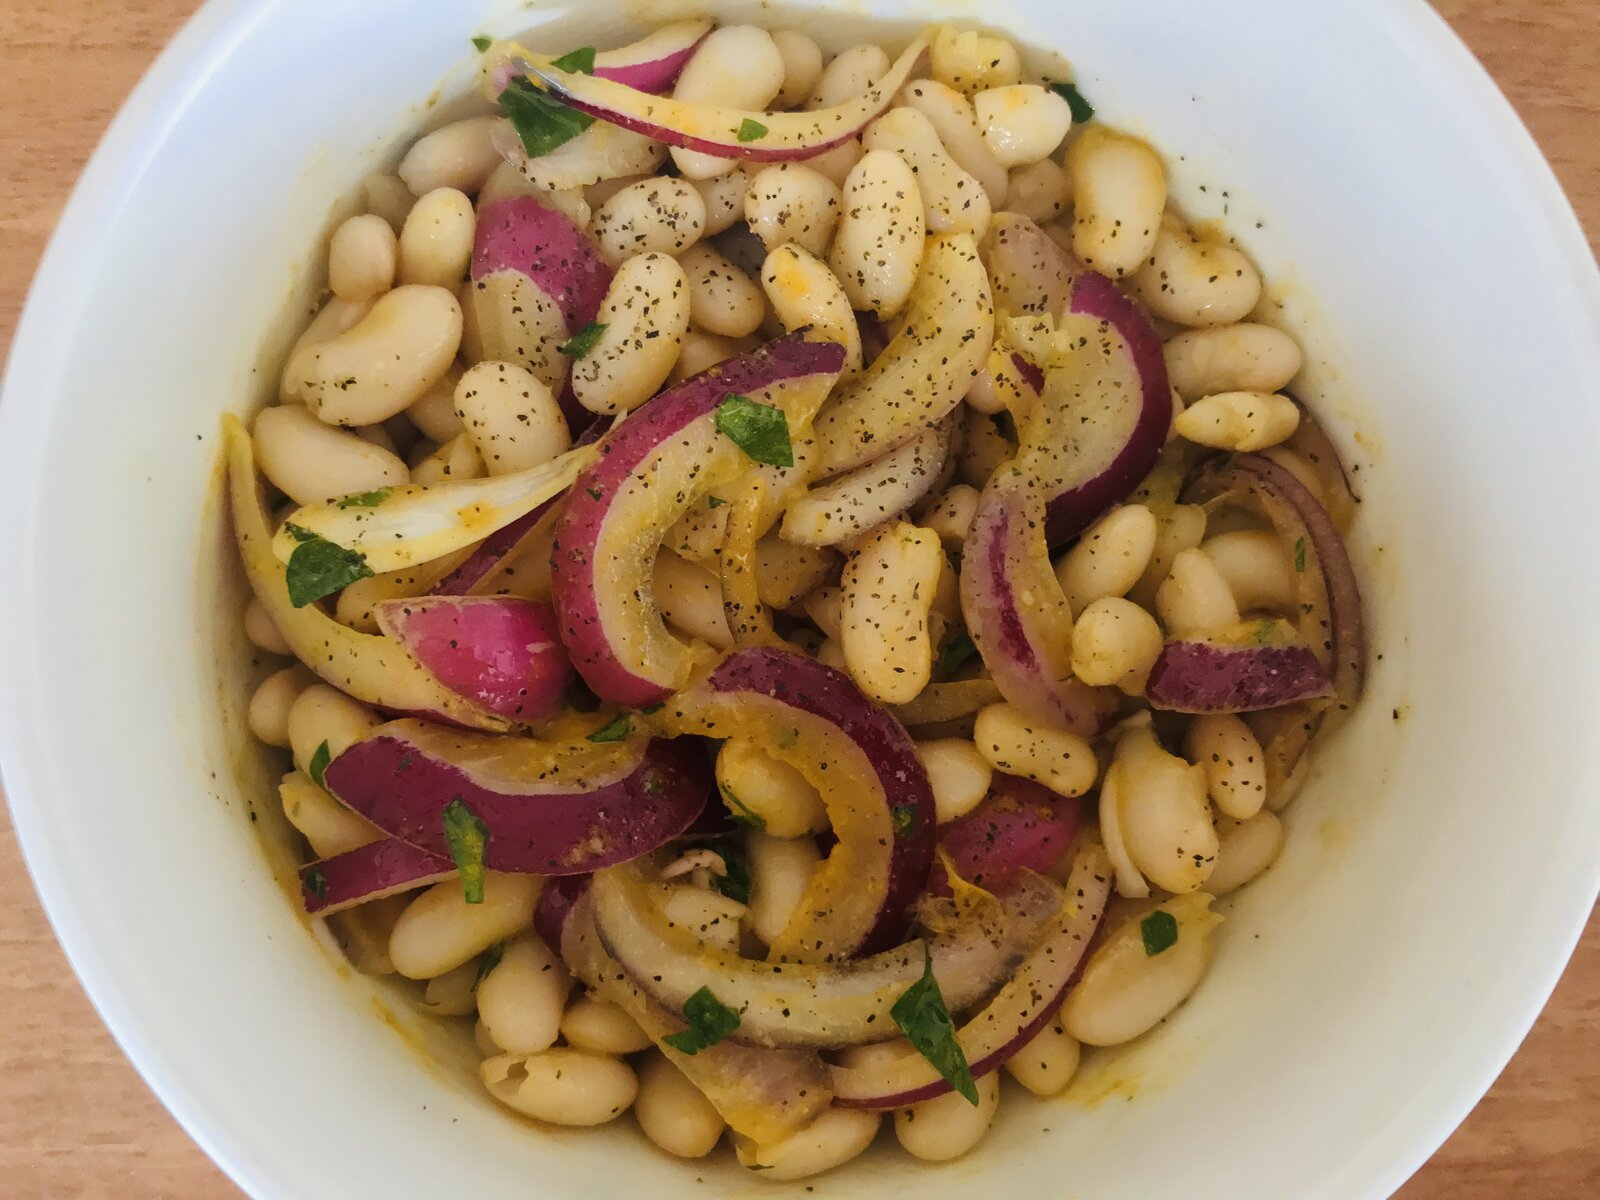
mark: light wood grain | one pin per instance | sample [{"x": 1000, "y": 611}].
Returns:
[{"x": 75, "y": 1121}]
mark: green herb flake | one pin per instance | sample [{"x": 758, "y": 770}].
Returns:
[
  {"x": 613, "y": 730},
  {"x": 543, "y": 124},
  {"x": 581, "y": 343},
  {"x": 923, "y": 1018},
  {"x": 710, "y": 1020},
  {"x": 653, "y": 708},
  {"x": 788, "y": 738},
  {"x": 905, "y": 819},
  {"x": 1159, "y": 931},
  {"x": 488, "y": 961},
  {"x": 481, "y": 43},
  {"x": 742, "y": 813},
  {"x": 315, "y": 882},
  {"x": 715, "y": 501},
  {"x": 750, "y": 130},
  {"x": 734, "y": 883},
  {"x": 320, "y": 758},
  {"x": 1300, "y": 554},
  {"x": 652, "y": 783},
  {"x": 1082, "y": 110},
  {"x": 576, "y": 62},
  {"x": 468, "y": 838},
  {"x": 760, "y": 430},
  {"x": 366, "y": 499},
  {"x": 956, "y": 652},
  {"x": 318, "y": 567}
]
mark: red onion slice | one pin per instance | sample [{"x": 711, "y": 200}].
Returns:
[
  {"x": 654, "y": 62},
  {"x": 371, "y": 872}
]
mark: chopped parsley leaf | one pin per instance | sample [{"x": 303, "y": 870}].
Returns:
[
  {"x": 366, "y": 499},
  {"x": 613, "y": 730},
  {"x": 581, "y": 343},
  {"x": 1300, "y": 554},
  {"x": 488, "y": 961},
  {"x": 715, "y": 501},
  {"x": 481, "y": 43},
  {"x": 905, "y": 819},
  {"x": 315, "y": 882},
  {"x": 750, "y": 130},
  {"x": 710, "y": 1020},
  {"x": 541, "y": 123},
  {"x": 760, "y": 430},
  {"x": 1082, "y": 110},
  {"x": 320, "y": 758},
  {"x": 956, "y": 652},
  {"x": 742, "y": 813},
  {"x": 1159, "y": 931},
  {"x": 923, "y": 1018},
  {"x": 318, "y": 567},
  {"x": 578, "y": 62},
  {"x": 468, "y": 838}
]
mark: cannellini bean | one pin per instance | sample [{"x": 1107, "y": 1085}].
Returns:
[
  {"x": 1162, "y": 813},
  {"x": 736, "y": 66},
  {"x": 436, "y": 241},
  {"x": 831, "y": 654},
  {"x": 877, "y": 250},
  {"x": 561, "y": 1086},
  {"x": 675, "y": 1114},
  {"x": 709, "y": 916},
  {"x": 1022, "y": 123},
  {"x": 958, "y": 773},
  {"x": 439, "y": 930},
  {"x": 511, "y": 416},
  {"x": 646, "y": 316},
  {"x": 329, "y": 826},
  {"x": 848, "y": 75},
  {"x": 886, "y": 593},
  {"x": 1194, "y": 597},
  {"x": 983, "y": 448},
  {"x": 690, "y": 598},
  {"x": 724, "y": 198},
  {"x": 1256, "y": 567},
  {"x": 833, "y": 1139},
  {"x": 836, "y": 164},
  {"x": 459, "y": 155},
  {"x": 947, "y": 1126},
  {"x": 261, "y": 631},
  {"x": 803, "y": 292},
  {"x": 1124, "y": 991},
  {"x": 591, "y": 1023},
  {"x": 434, "y": 412},
  {"x": 1236, "y": 770},
  {"x": 771, "y": 789},
  {"x": 1039, "y": 191},
  {"x": 597, "y": 194},
  {"x": 1110, "y": 557},
  {"x": 387, "y": 196},
  {"x": 1244, "y": 850},
  {"x": 357, "y": 602},
  {"x": 1119, "y": 190},
  {"x": 952, "y": 199},
  {"x": 452, "y": 994},
  {"x": 954, "y": 121},
  {"x": 506, "y": 318},
  {"x": 325, "y": 714},
  {"x": 1231, "y": 358},
  {"x": 1115, "y": 643},
  {"x": 1194, "y": 282},
  {"x": 702, "y": 350},
  {"x": 823, "y": 607},
  {"x": 506, "y": 182},
  {"x": 780, "y": 870},
  {"x": 969, "y": 61},
  {"x": 456, "y": 459},
  {"x": 722, "y": 299},
  {"x": 848, "y": 505},
  {"x": 802, "y": 67},
  {"x": 951, "y": 515},
  {"x": 1048, "y": 1062},
  {"x": 361, "y": 258},
  {"x": 789, "y": 202},
  {"x": 655, "y": 214},
  {"x": 268, "y": 714},
  {"x": 1062, "y": 761},
  {"x": 482, "y": 1042},
  {"x": 384, "y": 362},
  {"x": 785, "y": 572},
  {"x": 520, "y": 1000},
  {"x": 333, "y": 319},
  {"x": 1239, "y": 420},
  {"x": 699, "y": 533},
  {"x": 1181, "y": 529}
]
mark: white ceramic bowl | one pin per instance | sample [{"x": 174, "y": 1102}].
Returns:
[{"x": 1366, "y": 991}]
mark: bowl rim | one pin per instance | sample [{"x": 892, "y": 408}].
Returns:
[{"x": 134, "y": 136}]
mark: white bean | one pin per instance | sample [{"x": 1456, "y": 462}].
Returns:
[
  {"x": 387, "y": 196},
  {"x": 958, "y": 773},
  {"x": 520, "y": 1000},
  {"x": 591, "y": 1023},
  {"x": 878, "y": 248},
  {"x": 1241, "y": 421},
  {"x": 452, "y": 994},
  {"x": 1048, "y": 1062},
  {"x": 969, "y": 61},
  {"x": 434, "y": 412},
  {"x": 456, "y": 459},
  {"x": 436, "y": 242},
  {"x": 1110, "y": 557},
  {"x": 506, "y": 182},
  {"x": 702, "y": 350},
  {"x": 709, "y": 916},
  {"x": 268, "y": 714},
  {"x": 1231, "y": 358},
  {"x": 1181, "y": 529},
  {"x": 690, "y": 598},
  {"x": 675, "y": 1114},
  {"x": 802, "y": 67},
  {"x": 947, "y": 1126},
  {"x": 602, "y": 151},
  {"x": 325, "y": 715},
  {"x": 780, "y": 870},
  {"x": 848, "y": 505},
  {"x": 736, "y": 66},
  {"x": 1256, "y": 567},
  {"x": 833, "y": 1139},
  {"x": 262, "y": 632},
  {"x": 836, "y": 164},
  {"x": 803, "y": 292},
  {"x": 952, "y": 199},
  {"x": 1194, "y": 598},
  {"x": 955, "y": 122},
  {"x": 951, "y": 515},
  {"x": 983, "y": 448},
  {"x": 849, "y": 74},
  {"x": 329, "y": 826},
  {"x": 361, "y": 258},
  {"x": 1244, "y": 850},
  {"x": 1119, "y": 192},
  {"x": 1062, "y": 761},
  {"x": 1114, "y": 644},
  {"x": 459, "y": 155},
  {"x": 723, "y": 196},
  {"x": 561, "y": 1086},
  {"x": 771, "y": 789},
  {"x": 1124, "y": 990},
  {"x": 722, "y": 299},
  {"x": 357, "y": 602},
  {"x": 786, "y": 572},
  {"x": 511, "y": 416},
  {"x": 439, "y": 930},
  {"x": 646, "y": 316},
  {"x": 1194, "y": 282},
  {"x": 1162, "y": 813},
  {"x": 1022, "y": 123},
  {"x": 1040, "y": 191},
  {"x": 789, "y": 202},
  {"x": 1236, "y": 770},
  {"x": 655, "y": 214},
  {"x": 886, "y": 593}
]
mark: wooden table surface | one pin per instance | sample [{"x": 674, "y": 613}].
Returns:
[{"x": 75, "y": 1121}]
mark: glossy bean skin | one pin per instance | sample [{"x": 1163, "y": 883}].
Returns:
[
  {"x": 1241, "y": 357},
  {"x": 436, "y": 241},
  {"x": 1040, "y": 191},
  {"x": 958, "y": 773},
  {"x": 969, "y": 61},
  {"x": 804, "y": 292},
  {"x": 311, "y": 462},
  {"x": 1239, "y": 421},
  {"x": 1120, "y": 192},
  {"x": 736, "y": 66},
  {"x": 646, "y": 317},
  {"x": 675, "y": 1114},
  {"x": 1194, "y": 598},
  {"x": 327, "y": 825},
  {"x": 562, "y": 1086},
  {"x": 460, "y": 155},
  {"x": 1162, "y": 813},
  {"x": 259, "y": 628},
  {"x": 1115, "y": 644},
  {"x": 947, "y": 1126},
  {"x": 1022, "y": 123},
  {"x": 886, "y": 594},
  {"x": 1110, "y": 557},
  {"x": 521, "y": 1000},
  {"x": 362, "y": 258},
  {"x": 1190, "y": 281},
  {"x": 878, "y": 247},
  {"x": 439, "y": 930},
  {"x": 780, "y": 870},
  {"x": 951, "y": 515},
  {"x": 323, "y": 714},
  {"x": 511, "y": 416},
  {"x": 1048, "y": 1062},
  {"x": 271, "y": 702},
  {"x": 1227, "y": 751},
  {"x": 833, "y": 1139},
  {"x": 591, "y": 1023},
  {"x": 952, "y": 199},
  {"x": 956, "y": 123},
  {"x": 848, "y": 75},
  {"x": 774, "y": 791},
  {"x": 722, "y": 299},
  {"x": 792, "y": 203},
  {"x": 723, "y": 196},
  {"x": 802, "y": 67},
  {"x": 1256, "y": 567},
  {"x": 1245, "y": 849},
  {"x": 1011, "y": 742},
  {"x": 655, "y": 215}
]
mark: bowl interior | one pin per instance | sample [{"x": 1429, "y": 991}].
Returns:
[{"x": 1364, "y": 992}]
